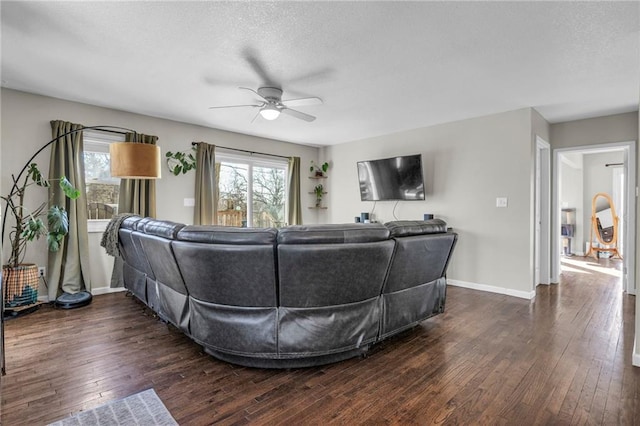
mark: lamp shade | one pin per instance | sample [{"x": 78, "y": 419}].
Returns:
[{"x": 130, "y": 160}]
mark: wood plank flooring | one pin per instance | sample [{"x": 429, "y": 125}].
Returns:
[{"x": 564, "y": 358}]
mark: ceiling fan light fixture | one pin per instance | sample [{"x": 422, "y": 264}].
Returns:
[{"x": 270, "y": 112}]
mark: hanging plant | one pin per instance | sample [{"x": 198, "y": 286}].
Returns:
[{"x": 181, "y": 161}]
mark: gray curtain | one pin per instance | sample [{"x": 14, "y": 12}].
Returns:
[
  {"x": 69, "y": 268},
  {"x": 294, "y": 215},
  {"x": 137, "y": 196},
  {"x": 206, "y": 211}
]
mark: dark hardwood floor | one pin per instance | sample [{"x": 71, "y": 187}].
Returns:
[{"x": 564, "y": 358}]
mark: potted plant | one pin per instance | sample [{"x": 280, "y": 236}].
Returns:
[
  {"x": 21, "y": 279},
  {"x": 319, "y": 191},
  {"x": 319, "y": 169},
  {"x": 181, "y": 161}
]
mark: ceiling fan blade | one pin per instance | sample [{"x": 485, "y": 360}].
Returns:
[
  {"x": 235, "y": 106},
  {"x": 251, "y": 90},
  {"x": 298, "y": 114},
  {"x": 302, "y": 101},
  {"x": 255, "y": 116},
  {"x": 258, "y": 66}
]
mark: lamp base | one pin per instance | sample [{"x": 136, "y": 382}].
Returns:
[{"x": 71, "y": 301}]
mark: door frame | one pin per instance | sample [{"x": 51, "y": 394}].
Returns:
[
  {"x": 541, "y": 214},
  {"x": 629, "y": 215}
]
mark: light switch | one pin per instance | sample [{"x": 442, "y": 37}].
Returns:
[
  {"x": 502, "y": 202},
  {"x": 189, "y": 202}
]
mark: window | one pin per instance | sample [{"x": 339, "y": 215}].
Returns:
[
  {"x": 251, "y": 191},
  {"x": 102, "y": 191}
]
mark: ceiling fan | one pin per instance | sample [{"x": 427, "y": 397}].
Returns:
[{"x": 272, "y": 104}]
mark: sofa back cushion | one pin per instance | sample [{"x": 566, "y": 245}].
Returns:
[
  {"x": 227, "y": 235},
  {"x": 333, "y": 234},
  {"x": 228, "y": 266},
  {"x": 156, "y": 242},
  {"x": 332, "y": 264},
  {"x": 407, "y": 228},
  {"x": 419, "y": 259}
]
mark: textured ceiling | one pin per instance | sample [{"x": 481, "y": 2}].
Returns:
[{"x": 380, "y": 67}]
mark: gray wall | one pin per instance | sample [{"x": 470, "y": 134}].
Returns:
[
  {"x": 25, "y": 128},
  {"x": 611, "y": 128},
  {"x": 467, "y": 164}
]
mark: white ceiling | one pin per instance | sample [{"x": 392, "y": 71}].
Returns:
[{"x": 380, "y": 67}]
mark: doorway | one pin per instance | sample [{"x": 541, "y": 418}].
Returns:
[{"x": 580, "y": 173}]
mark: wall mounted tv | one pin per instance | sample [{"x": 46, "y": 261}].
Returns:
[{"x": 397, "y": 178}]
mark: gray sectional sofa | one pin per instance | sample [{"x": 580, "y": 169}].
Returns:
[{"x": 293, "y": 297}]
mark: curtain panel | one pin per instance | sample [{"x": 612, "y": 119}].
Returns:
[
  {"x": 294, "y": 206},
  {"x": 206, "y": 208},
  {"x": 138, "y": 195},
  {"x": 69, "y": 268}
]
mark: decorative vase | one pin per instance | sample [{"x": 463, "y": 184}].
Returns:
[{"x": 20, "y": 285}]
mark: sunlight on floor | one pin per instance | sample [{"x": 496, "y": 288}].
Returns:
[{"x": 570, "y": 264}]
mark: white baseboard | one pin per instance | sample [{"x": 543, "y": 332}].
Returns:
[
  {"x": 493, "y": 289},
  {"x": 105, "y": 290},
  {"x": 94, "y": 291},
  {"x": 635, "y": 359}
]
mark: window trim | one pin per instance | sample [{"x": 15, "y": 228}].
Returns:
[
  {"x": 100, "y": 142},
  {"x": 257, "y": 160}
]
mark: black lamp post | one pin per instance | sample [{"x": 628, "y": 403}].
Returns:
[{"x": 129, "y": 160}]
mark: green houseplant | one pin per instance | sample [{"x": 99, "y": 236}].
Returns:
[
  {"x": 20, "y": 288},
  {"x": 319, "y": 191},
  {"x": 181, "y": 161},
  {"x": 319, "y": 169}
]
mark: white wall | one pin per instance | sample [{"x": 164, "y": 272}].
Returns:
[
  {"x": 636, "y": 354},
  {"x": 467, "y": 164},
  {"x": 571, "y": 196},
  {"x": 25, "y": 128}
]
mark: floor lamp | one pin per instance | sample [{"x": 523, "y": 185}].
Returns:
[{"x": 129, "y": 160}]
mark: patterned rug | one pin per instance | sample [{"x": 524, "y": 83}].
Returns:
[{"x": 144, "y": 408}]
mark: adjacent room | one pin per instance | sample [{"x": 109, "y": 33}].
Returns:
[{"x": 320, "y": 212}]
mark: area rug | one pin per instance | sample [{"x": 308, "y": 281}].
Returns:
[{"x": 144, "y": 408}]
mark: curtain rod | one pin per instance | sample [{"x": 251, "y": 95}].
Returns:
[
  {"x": 613, "y": 164},
  {"x": 244, "y": 150}
]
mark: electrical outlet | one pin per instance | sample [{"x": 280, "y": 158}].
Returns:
[
  {"x": 502, "y": 202},
  {"x": 42, "y": 271}
]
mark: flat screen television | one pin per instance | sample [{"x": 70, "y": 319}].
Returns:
[{"x": 397, "y": 178}]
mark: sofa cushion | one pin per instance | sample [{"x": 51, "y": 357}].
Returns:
[
  {"x": 406, "y": 228},
  {"x": 140, "y": 224},
  {"x": 333, "y": 234},
  {"x": 130, "y": 222},
  {"x": 162, "y": 228},
  {"x": 227, "y": 235}
]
